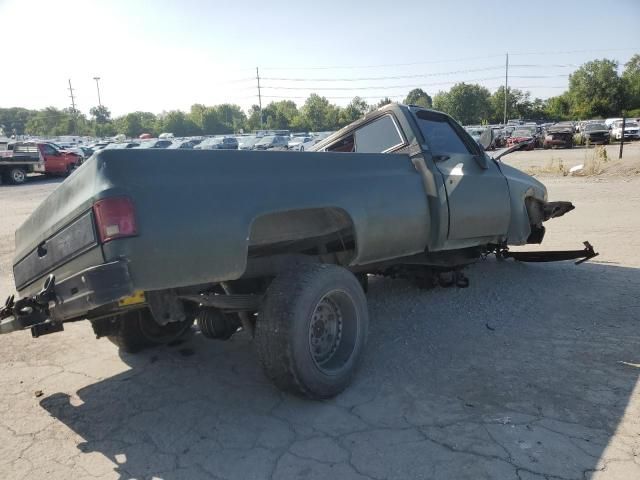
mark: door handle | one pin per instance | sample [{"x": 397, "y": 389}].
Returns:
[{"x": 441, "y": 158}]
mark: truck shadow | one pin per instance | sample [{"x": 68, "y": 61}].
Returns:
[
  {"x": 35, "y": 179},
  {"x": 530, "y": 369}
]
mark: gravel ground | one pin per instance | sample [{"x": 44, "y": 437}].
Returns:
[
  {"x": 530, "y": 373},
  {"x": 535, "y": 160}
]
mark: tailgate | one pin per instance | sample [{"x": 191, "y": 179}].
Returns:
[
  {"x": 73, "y": 240},
  {"x": 60, "y": 233}
]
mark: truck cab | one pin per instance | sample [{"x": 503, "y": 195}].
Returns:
[{"x": 56, "y": 160}]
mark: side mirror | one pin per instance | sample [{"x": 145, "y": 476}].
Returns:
[{"x": 482, "y": 161}]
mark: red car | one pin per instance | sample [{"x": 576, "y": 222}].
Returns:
[{"x": 524, "y": 137}]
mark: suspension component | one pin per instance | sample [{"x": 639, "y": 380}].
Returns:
[{"x": 214, "y": 323}]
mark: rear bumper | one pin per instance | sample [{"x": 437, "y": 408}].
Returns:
[{"x": 69, "y": 299}]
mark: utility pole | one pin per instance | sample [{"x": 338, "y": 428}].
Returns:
[
  {"x": 259, "y": 95},
  {"x": 506, "y": 88},
  {"x": 73, "y": 106},
  {"x": 97, "y": 79}
]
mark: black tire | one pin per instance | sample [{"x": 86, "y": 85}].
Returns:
[
  {"x": 311, "y": 330},
  {"x": 15, "y": 176},
  {"x": 134, "y": 331}
]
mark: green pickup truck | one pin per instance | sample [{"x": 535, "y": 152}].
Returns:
[{"x": 143, "y": 243}]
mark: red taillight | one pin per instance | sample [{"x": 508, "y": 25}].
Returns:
[{"x": 115, "y": 218}]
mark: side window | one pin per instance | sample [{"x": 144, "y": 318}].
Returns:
[
  {"x": 48, "y": 150},
  {"x": 441, "y": 136},
  {"x": 378, "y": 136},
  {"x": 345, "y": 144}
]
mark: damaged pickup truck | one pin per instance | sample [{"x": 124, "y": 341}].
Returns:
[{"x": 278, "y": 244}]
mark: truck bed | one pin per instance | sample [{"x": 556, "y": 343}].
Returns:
[{"x": 198, "y": 213}]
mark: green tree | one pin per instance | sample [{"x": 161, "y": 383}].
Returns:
[
  {"x": 280, "y": 115},
  {"x": 558, "y": 108},
  {"x": 356, "y": 109},
  {"x": 631, "y": 81},
  {"x": 316, "y": 113},
  {"x": 383, "y": 102},
  {"x": 419, "y": 97},
  {"x": 518, "y": 104},
  {"x": 135, "y": 123},
  {"x": 14, "y": 120},
  {"x": 467, "y": 103},
  {"x": 100, "y": 114},
  {"x": 52, "y": 121},
  {"x": 178, "y": 123},
  {"x": 596, "y": 90},
  {"x": 253, "y": 118},
  {"x": 231, "y": 117}
]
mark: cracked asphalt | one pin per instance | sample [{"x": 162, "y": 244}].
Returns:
[{"x": 530, "y": 373}]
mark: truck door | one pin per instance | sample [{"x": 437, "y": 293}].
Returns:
[
  {"x": 477, "y": 192},
  {"x": 53, "y": 159}
]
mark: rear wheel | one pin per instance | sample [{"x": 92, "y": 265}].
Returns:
[
  {"x": 311, "y": 330},
  {"x": 136, "y": 330},
  {"x": 16, "y": 176}
]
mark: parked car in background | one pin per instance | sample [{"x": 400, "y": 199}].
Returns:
[
  {"x": 522, "y": 136},
  {"x": 218, "y": 143},
  {"x": 559, "y": 135},
  {"x": 246, "y": 142},
  {"x": 301, "y": 143},
  {"x": 593, "y": 133},
  {"x": 271, "y": 142},
  {"x": 98, "y": 146},
  {"x": 122, "y": 145},
  {"x": 631, "y": 131},
  {"x": 87, "y": 151},
  {"x": 475, "y": 132},
  {"x": 155, "y": 143},
  {"x": 609, "y": 121},
  {"x": 184, "y": 143},
  {"x": 68, "y": 147}
]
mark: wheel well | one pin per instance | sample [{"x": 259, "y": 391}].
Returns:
[{"x": 311, "y": 230}]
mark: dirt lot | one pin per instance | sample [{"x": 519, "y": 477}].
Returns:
[{"x": 530, "y": 373}]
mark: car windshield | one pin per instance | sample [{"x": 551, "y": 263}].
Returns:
[
  {"x": 211, "y": 141},
  {"x": 247, "y": 141},
  {"x": 595, "y": 126},
  {"x": 147, "y": 144},
  {"x": 267, "y": 140},
  {"x": 627, "y": 124},
  {"x": 521, "y": 133}
]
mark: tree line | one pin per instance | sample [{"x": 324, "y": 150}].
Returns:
[{"x": 595, "y": 90}]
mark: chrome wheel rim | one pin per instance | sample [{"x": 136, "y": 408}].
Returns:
[{"x": 18, "y": 176}]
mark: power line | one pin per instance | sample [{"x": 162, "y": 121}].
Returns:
[
  {"x": 410, "y": 64},
  {"x": 287, "y": 97},
  {"x": 378, "y": 87},
  {"x": 394, "y": 77},
  {"x": 567, "y": 52}
]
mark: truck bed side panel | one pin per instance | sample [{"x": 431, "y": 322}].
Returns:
[{"x": 194, "y": 209}]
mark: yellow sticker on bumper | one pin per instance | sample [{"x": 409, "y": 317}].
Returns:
[{"x": 135, "y": 299}]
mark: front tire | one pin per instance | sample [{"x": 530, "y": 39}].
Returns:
[
  {"x": 137, "y": 330},
  {"x": 311, "y": 330}
]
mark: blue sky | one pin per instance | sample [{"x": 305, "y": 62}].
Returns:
[{"x": 162, "y": 55}]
